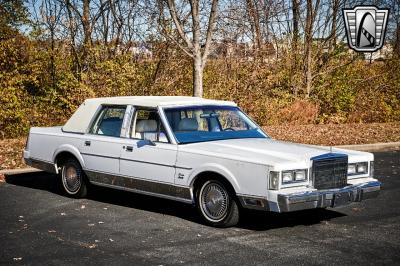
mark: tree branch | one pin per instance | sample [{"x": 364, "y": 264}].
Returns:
[
  {"x": 178, "y": 25},
  {"x": 210, "y": 29}
]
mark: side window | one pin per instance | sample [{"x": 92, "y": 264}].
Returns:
[
  {"x": 109, "y": 121},
  {"x": 147, "y": 125}
]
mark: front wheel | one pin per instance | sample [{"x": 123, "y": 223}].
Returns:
[
  {"x": 73, "y": 179},
  {"x": 217, "y": 204}
]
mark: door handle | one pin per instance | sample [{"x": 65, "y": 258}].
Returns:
[
  {"x": 129, "y": 148},
  {"x": 87, "y": 143}
]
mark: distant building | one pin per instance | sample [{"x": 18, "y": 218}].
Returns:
[
  {"x": 384, "y": 53},
  {"x": 242, "y": 51}
]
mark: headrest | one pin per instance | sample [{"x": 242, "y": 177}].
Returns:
[
  {"x": 188, "y": 124},
  {"x": 146, "y": 126}
]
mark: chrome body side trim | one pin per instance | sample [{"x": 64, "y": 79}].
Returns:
[
  {"x": 42, "y": 165},
  {"x": 147, "y": 187},
  {"x": 138, "y": 161}
]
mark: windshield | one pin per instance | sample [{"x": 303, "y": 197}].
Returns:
[{"x": 206, "y": 123}]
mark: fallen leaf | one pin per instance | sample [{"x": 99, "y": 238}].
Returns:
[{"x": 92, "y": 246}]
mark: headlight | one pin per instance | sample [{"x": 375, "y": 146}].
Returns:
[
  {"x": 294, "y": 176},
  {"x": 357, "y": 168},
  {"x": 273, "y": 180},
  {"x": 287, "y": 177}
]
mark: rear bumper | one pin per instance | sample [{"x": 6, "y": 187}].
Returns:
[
  {"x": 39, "y": 164},
  {"x": 328, "y": 198}
]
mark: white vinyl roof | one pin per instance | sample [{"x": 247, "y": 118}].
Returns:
[
  {"x": 155, "y": 101},
  {"x": 80, "y": 120}
]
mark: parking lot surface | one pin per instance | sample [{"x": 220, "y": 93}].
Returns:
[{"x": 38, "y": 225}]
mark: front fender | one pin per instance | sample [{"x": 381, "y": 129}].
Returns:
[
  {"x": 216, "y": 168},
  {"x": 71, "y": 149}
]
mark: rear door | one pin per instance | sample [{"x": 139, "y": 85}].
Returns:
[{"x": 101, "y": 146}]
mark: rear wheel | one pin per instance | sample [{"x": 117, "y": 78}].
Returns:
[
  {"x": 73, "y": 179},
  {"x": 217, "y": 205}
]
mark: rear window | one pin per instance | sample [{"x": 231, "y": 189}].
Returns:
[{"x": 109, "y": 121}]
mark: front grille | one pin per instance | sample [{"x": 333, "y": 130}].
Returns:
[{"x": 329, "y": 171}]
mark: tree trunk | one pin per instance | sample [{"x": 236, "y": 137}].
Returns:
[
  {"x": 397, "y": 43},
  {"x": 255, "y": 24},
  {"x": 197, "y": 77},
  {"x": 295, "y": 44},
  {"x": 310, "y": 17},
  {"x": 87, "y": 32},
  {"x": 335, "y": 8}
]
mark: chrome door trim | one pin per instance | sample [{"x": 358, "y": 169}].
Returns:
[
  {"x": 143, "y": 186},
  {"x": 137, "y": 161}
]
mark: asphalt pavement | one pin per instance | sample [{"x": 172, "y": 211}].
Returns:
[{"x": 40, "y": 226}]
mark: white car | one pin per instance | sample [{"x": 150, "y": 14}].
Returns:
[{"x": 203, "y": 152}]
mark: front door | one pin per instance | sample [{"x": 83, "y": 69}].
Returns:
[{"x": 147, "y": 156}]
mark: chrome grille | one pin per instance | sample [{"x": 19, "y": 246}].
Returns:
[{"x": 329, "y": 171}]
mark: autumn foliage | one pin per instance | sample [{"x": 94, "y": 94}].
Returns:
[{"x": 29, "y": 96}]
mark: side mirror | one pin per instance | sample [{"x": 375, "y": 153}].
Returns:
[{"x": 149, "y": 141}]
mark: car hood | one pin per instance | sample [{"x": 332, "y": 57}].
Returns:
[{"x": 268, "y": 151}]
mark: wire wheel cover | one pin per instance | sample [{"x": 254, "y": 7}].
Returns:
[
  {"x": 214, "y": 201},
  {"x": 71, "y": 179}
]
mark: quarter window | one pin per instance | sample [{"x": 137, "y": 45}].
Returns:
[{"x": 109, "y": 121}]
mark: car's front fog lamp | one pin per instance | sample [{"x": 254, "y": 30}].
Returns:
[
  {"x": 300, "y": 175},
  {"x": 273, "y": 180}
]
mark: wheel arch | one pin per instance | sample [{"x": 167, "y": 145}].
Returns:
[
  {"x": 213, "y": 172},
  {"x": 67, "y": 151}
]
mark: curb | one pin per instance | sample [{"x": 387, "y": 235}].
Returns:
[
  {"x": 19, "y": 171},
  {"x": 374, "y": 147}
]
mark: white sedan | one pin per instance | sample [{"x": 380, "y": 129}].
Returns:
[{"x": 203, "y": 152}]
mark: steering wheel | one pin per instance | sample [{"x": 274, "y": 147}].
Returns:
[{"x": 229, "y": 129}]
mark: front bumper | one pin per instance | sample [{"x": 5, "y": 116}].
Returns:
[{"x": 328, "y": 198}]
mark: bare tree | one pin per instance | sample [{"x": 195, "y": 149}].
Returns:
[
  {"x": 253, "y": 11},
  {"x": 194, "y": 41}
]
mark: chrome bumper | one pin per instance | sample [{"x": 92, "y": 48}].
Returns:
[{"x": 328, "y": 198}]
